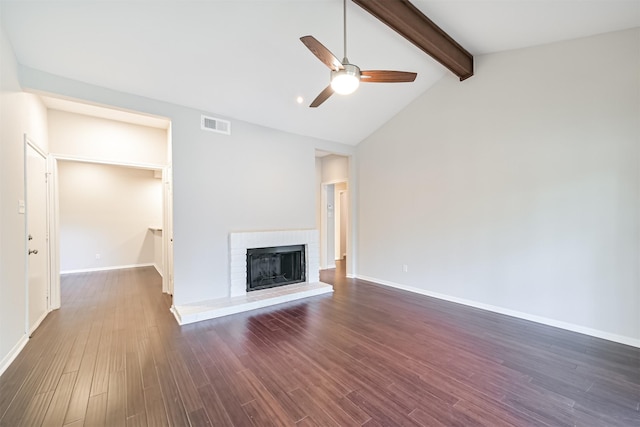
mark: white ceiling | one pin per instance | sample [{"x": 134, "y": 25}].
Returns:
[{"x": 243, "y": 59}]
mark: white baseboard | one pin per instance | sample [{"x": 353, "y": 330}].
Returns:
[
  {"x": 158, "y": 269},
  {"x": 10, "y": 357},
  {"x": 513, "y": 313},
  {"x": 116, "y": 267},
  {"x": 38, "y": 322}
]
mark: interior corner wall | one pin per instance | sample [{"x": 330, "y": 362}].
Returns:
[
  {"x": 518, "y": 189},
  {"x": 20, "y": 113},
  {"x": 105, "y": 216}
]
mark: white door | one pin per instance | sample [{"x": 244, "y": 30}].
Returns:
[{"x": 37, "y": 242}]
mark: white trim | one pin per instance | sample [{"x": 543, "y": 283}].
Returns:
[
  {"x": 513, "y": 313},
  {"x": 116, "y": 267},
  {"x": 176, "y": 314},
  {"x": 15, "y": 351},
  {"x": 35, "y": 147},
  {"x": 158, "y": 269},
  {"x": 152, "y": 166},
  {"x": 38, "y": 322},
  {"x": 54, "y": 235}
]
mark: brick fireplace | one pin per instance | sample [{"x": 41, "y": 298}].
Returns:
[{"x": 239, "y": 299}]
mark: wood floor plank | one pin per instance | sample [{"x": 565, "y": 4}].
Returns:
[
  {"x": 266, "y": 402},
  {"x": 311, "y": 408},
  {"x": 214, "y": 407},
  {"x": 154, "y": 406},
  {"x": 100, "y": 383},
  {"x": 186, "y": 387},
  {"x": 116, "y": 399},
  {"x": 82, "y": 387},
  {"x": 366, "y": 355},
  {"x": 199, "y": 418},
  {"x": 96, "y": 415},
  {"x": 147, "y": 364},
  {"x": 75, "y": 355},
  {"x": 137, "y": 420},
  {"x": 60, "y": 402},
  {"x": 35, "y": 411},
  {"x": 25, "y": 393},
  {"x": 176, "y": 412},
  {"x": 229, "y": 397},
  {"x": 133, "y": 377}
]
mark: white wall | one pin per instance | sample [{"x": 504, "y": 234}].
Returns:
[
  {"x": 255, "y": 179},
  {"x": 107, "y": 211},
  {"x": 107, "y": 140},
  {"x": 517, "y": 189},
  {"x": 19, "y": 113},
  {"x": 335, "y": 168}
]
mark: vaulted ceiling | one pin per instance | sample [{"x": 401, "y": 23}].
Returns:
[{"x": 243, "y": 59}]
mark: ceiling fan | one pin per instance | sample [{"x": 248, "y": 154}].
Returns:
[{"x": 346, "y": 77}]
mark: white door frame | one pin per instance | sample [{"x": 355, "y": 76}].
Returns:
[
  {"x": 167, "y": 230},
  {"x": 324, "y": 230},
  {"x": 167, "y": 253},
  {"x": 29, "y": 144},
  {"x": 340, "y": 251}
]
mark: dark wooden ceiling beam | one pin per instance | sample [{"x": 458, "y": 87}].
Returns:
[{"x": 413, "y": 25}]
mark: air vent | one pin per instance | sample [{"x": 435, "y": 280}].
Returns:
[{"x": 215, "y": 125}]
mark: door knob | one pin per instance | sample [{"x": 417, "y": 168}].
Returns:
[{"x": 33, "y": 251}]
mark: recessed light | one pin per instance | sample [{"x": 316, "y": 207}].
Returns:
[{"x": 299, "y": 100}]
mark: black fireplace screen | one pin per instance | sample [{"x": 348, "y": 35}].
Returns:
[{"x": 276, "y": 266}]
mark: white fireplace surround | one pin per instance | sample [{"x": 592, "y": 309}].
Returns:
[
  {"x": 240, "y": 242},
  {"x": 239, "y": 299}
]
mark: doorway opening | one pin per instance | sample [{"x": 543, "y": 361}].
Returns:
[
  {"x": 334, "y": 213},
  {"x": 110, "y": 216},
  {"x": 101, "y": 155}
]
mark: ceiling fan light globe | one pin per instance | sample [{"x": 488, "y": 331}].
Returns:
[{"x": 345, "y": 81}]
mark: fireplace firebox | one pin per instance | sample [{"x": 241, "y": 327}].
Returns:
[{"x": 275, "y": 266}]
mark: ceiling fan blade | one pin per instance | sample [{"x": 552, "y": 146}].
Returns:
[
  {"x": 323, "y": 54},
  {"x": 384, "y": 76},
  {"x": 324, "y": 95}
]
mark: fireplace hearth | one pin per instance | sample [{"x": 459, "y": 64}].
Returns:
[{"x": 275, "y": 266}]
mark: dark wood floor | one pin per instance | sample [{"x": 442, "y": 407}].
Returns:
[{"x": 366, "y": 355}]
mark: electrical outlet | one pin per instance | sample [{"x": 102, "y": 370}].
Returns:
[
  {"x": 97, "y": 256},
  {"x": 405, "y": 268}
]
